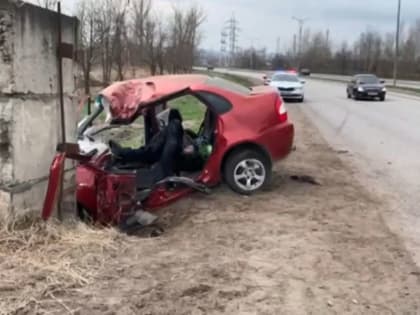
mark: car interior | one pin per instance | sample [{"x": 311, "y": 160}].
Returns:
[{"x": 192, "y": 161}]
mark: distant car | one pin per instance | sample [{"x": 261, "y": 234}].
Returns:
[
  {"x": 289, "y": 86},
  {"x": 244, "y": 132},
  {"x": 305, "y": 72},
  {"x": 366, "y": 86},
  {"x": 210, "y": 67}
]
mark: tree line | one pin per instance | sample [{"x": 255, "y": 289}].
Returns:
[
  {"x": 119, "y": 38},
  {"x": 372, "y": 52}
]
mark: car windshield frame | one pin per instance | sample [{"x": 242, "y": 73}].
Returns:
[
  {"x": 368, "y": 79},
  {"x": 282, "y": 77}
]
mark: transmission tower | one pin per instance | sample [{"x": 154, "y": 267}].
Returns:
[{"x": 233, "y": 36}]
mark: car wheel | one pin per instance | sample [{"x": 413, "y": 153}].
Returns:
[
  {"x": 348, "y": 94},
  {"x": 246, "y": 172},
  {"x": 301, "y": 100},
  {"x": 382, "y": 98},
  {"x": 356, "y": 97}
]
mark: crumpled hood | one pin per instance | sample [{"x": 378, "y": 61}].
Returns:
[{"x": 285, "y": 84}]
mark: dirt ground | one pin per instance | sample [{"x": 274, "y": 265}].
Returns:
[{"x": 296, "y": 248}]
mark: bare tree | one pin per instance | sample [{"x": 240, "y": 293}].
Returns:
[
  {"x": 150, "y": 45},
  {"x": 141, "y": 13},
  {"x": 119, "y": 47},
  {"x": 86, "y": 54},
  {"x": 48, "y": 4},
  {"x": 160, "y": 47},
  {"x": 185, "y": 37}
]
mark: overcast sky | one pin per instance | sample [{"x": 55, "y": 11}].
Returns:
[{"x": 263, "y": 21}]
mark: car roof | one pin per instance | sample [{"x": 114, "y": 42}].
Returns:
[
  {"x": 292, "y": 74},
  {"x": 365, "y": 75},
  {"x": 127, "y": 97}
]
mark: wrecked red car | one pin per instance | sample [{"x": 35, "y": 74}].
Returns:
[{"x": 243, "y": 132}]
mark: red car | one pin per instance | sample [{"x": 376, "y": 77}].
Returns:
[{"x": 244, "y": 132}]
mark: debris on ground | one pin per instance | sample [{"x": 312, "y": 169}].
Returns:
[
  {"x": 305, "y": 179},
  {"x": 287, "y": 250},
  {"x": 342, "y": 151}
]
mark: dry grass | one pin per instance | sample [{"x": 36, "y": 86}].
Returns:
[{"x": 42, "y": 262}]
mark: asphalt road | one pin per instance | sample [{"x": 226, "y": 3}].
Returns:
[
  {"x": 388, "y": 81},
  {"x": 344, "y": 78},
  {"x": 383, "y": 142}
]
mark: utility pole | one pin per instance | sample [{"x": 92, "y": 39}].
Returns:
[
  {"x": 327, "y": 37},
  {"x": 301, "y": 22},
  {"x": 397, "y": 43},
  {"x": 252, "y": 54},
  {"x": 223, "y": 43},
  {"x": 278, "y": 46}
]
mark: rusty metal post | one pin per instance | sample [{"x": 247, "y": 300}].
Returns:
[
  {"x": 60, "y": 76},
  {"x": 61, "y": 100},
  {"x": 89, "y": 108}
]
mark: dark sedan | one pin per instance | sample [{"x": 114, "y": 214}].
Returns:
[{"x": 366, "y": 86}]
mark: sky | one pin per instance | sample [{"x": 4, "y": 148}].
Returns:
[{"x": 262, "y": 22}]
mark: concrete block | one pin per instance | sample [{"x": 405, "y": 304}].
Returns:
[
  {"x": 29, "y": 198},
  {"x": 29, "y": 47},
  {"x": 37, "y": 131},
  {"x": 29, "y": 112},
  {"x": 6, "y": 172},
  {"x": 5, "y": 204},
  {"x": 6, "y": 50}
]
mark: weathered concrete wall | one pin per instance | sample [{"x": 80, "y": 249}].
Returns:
[{"x": 29, "y": 108}]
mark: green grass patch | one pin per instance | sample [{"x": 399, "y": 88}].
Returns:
[
  {"x": 192, "y": 110},
  {"x": 242, "y": 80}
]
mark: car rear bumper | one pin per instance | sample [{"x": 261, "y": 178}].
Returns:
[{"x": 279, "y": 140}]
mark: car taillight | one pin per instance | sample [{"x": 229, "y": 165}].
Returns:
[{"x": 281, "y": 110}]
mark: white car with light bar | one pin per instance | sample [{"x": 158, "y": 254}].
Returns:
[{"x": 289, "y": 86}]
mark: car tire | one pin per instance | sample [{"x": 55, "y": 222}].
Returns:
[
  {"x": 382, "y": 98},
  {"x": 247, "y": 172},
  {"x": 301, "y": 100},
  {"x": 348, "y": 94}
]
